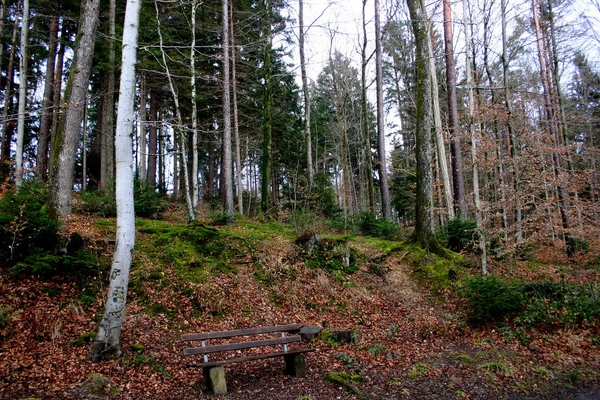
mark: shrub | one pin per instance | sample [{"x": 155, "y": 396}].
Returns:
[
  {"x": 147, "y": 201},
  {"x": 492, "y": 299},
  {"x": 369, "y": 224},
  {"x": 25, "y": 224},
  {"x": 458, "y": 235},
  {"x": 93, "y": 202}
]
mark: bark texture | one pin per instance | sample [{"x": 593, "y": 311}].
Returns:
[
  {"x": 69, "y": 130},
  {"x": 107, "y": 343}
]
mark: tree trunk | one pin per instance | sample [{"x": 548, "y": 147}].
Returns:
[
  {"x": 424, "y": 233},
  {"x": 186, "y": 175},
  {"x": 57, "y": 95},
  {"x": 471, "y": 127},
  {"x": 47, "y": 104},
  {"x": 439, "y": 134},
  {"x": 381, "y": 162},
  {"x": 153, "y": 138},
  {"x": 236, "y": 125},
  {"x": 365, "y": 113},
  {"x": 143, "y": 151},
  {"x": 552, "y": 129},
  {"x": 8, "y": 124},
  {"x": 69, "y": 129},
  {"x": 195, "y": 189},
  {"x": 107, "y": 342},
  {"x": 107, "y": 153},
  {"x": 22, "y": 94},
  {"x": 265, "y": 198},
  {"x": 457, "y": 164},
  {"x": 227, "y": 159},
  {"x": 306, "y": 92},
  {"x": 511, "y": 139}
]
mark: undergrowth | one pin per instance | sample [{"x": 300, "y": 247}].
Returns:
[{"x": 531, "y": 304}]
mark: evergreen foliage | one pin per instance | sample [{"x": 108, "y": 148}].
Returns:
[
  {"x": 25, "y": 223},
  {"x": 458, "y": 235},
  {"x": 531, "y": 304}
]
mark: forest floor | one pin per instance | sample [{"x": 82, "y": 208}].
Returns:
[{"x": 410, "y": 341}]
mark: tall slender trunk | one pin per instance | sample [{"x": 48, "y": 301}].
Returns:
[
  {"x": 143, "y": 151},
  {"x": 188, "y": 195},
  {"x": 227, "y": 159},
  {"x": 8, "y": 124},
  {"x": 195, "y": 186},
  {"x": 107, "y": 341},
  {"x": 368, "y": 156},
  {"x": 510, "y": 131},
  {"x": 265, "y": 198},
  {"x": 306, "y": 92},
  {"x": 108, "y": 139},
  {"x": 454, "y": 133},
  {"x": 47, "y": 104},
  {"x": 386, "y": 207},
  {"x": 57, "y": 95},
  {"x": 22, "y": 94},
  {"x": 474, "y": 138},
  {"x": 424, "y": 230},
  {"x": 552, "y": 129},
  {"x": 153, "y": 137},
  {"x": 439, "y": 134},
  {"x": 236, "y": 125},
  {"x": 69, "y": 129}
]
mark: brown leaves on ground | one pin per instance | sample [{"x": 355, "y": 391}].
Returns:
[{"x": 408, "y": 344}]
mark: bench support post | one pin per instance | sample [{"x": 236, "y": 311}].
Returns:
[
  {"x": 295, "y": 365},
  {"x": 214, "y": 377}
]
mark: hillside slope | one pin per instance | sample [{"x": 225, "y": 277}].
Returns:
[{"x": 408, "y": 342}]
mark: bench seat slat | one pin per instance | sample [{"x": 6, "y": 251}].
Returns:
[
  {"x": 240, "y": 346},
  {"x": 249, "y": 358},
  {"x": 241, "y": 332}
]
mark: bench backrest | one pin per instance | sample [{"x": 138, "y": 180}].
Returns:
[{"x": 203, "y": 336}]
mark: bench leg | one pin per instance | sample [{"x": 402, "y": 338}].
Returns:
[
  {"x": 214, "y": 377},
  {"x": 295, "y": 365}
]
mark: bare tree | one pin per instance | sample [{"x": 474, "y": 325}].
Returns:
[
  {"x": 474, "y": 139},
  {"x": 454, "y": 133}
]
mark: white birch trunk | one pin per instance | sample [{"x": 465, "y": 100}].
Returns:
[
  {"x": 195, "y": 187},
  {"x": 22, "y": 94},
  {"x": 107, "y": 342}
]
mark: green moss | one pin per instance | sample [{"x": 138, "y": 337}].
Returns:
[
  {"x": 86, "y": 338},
  {"x": 137, "y": 347},
  {"x": 418, "y": 369},
  {"x": 346, "y": 381}
]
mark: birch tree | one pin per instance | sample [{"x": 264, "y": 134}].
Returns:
[{"x": 107, "y": 343}]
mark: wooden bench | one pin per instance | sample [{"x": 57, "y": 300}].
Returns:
[{"x": 214, "y": 371}]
